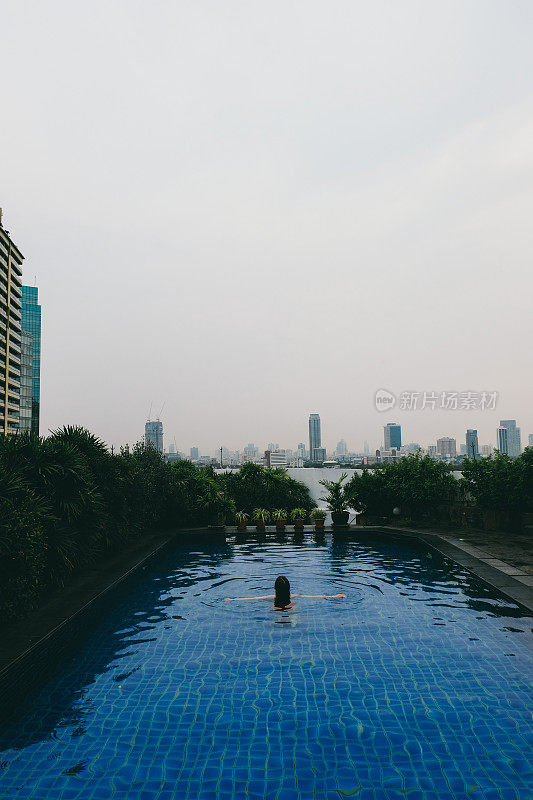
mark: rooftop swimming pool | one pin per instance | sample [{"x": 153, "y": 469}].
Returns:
[{"x": 417, "y": 685}]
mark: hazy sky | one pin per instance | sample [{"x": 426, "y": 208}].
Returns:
[{"x": 250, "y": 211}]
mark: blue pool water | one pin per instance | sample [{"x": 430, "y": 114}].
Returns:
[{"x": 416, "y": 686}]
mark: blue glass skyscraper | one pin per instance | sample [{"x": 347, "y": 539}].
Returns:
[
  {"x": 393, "y": 435},
  {"x": 31, "y": 323}
]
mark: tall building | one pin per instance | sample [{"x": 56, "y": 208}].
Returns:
[
  {"x": 472, "y": 444},
  {"x": 432, "y": 451},
  {"x": 26, "y": 381},
  {"x": 530, "y": 440},
  {"x": 153, "y": 434},
  {"x": 275, "y": 458},
  {"x": 315, "y": 439},
  {"x": 486, "y": 450},
  {"x": 446, "y": 447},
  {"x": 508, "y": 438},
  {"x": 342, "y": 448},
  {"x": 195, "y": 454},
  {"x": 393, "y": 435},
  {"x": 31, "y": 323},
  {"x": 10, "y": 331}
]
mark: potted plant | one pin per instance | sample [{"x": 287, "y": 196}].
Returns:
[
  {"x": 336, "y": 500},
  {"x": 318, "y": 515},
  {"x": 261, "y": 517},
  {"x": 280, "y": 518},
  {"x": 298, "y": 516},
  {"x": 242, "y": 519}
]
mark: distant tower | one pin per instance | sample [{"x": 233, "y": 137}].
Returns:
[
  {"x": 447, "y": 447},
  {"x": 472, "y": 444},
  {"x": 315, "y": 439},
  {"x": 508, "y": 438},
  {"x": 342, "y": 448},
  {"x": 393, "y": 435},
  {"x": 194, "y": 454},
  {"x": 153, "y": 435}
]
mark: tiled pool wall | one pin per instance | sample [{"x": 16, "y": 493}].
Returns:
[
  {"x": 306, "y": 713},
  {"x": 42, "y": 659}
]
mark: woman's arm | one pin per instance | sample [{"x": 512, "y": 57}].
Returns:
[
  {"x": 319, "y": 595},
  {"x": 261, "y": 597}
]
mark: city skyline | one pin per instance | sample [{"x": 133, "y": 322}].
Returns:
[{"x": 465, "y": 443}]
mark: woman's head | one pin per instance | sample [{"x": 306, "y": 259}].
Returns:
[{"x": 282, "y": 588}]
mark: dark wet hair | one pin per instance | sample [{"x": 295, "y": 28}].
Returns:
[{"x": 282, "y": 588}]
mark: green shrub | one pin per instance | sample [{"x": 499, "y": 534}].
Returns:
[{"x": 415, "y": 484}]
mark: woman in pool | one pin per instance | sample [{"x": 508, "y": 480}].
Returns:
[{"x": 282, "y": 598}]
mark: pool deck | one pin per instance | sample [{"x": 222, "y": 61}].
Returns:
[{"x": 505, "y": 560}]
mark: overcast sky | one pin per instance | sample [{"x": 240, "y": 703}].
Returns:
[{"x": 250, "y": 211}]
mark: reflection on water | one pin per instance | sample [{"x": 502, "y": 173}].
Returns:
[{"x": 416, "y": 681}]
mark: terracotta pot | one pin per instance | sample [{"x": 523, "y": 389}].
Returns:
[
  {"x": 280, "y": 524},
  {"x": 319, "y": 522},
  {"x": 298, "y": 524},
  {"x": 260, "y": 526},
  {"x": 241, "y": 526}
]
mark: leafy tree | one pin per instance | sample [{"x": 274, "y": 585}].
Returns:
[
  {"x": 415, "y": 484},
  {"x": 500, "y": 483},
  {"x": 254, "y": 486}
]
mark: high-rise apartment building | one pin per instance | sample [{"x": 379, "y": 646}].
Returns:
[
  {"x": 31, "y": 323},
  {"x": 301, "y": 451},
  {"x": 486, "y": 450},
  {"x": 342, "y": 448},
  {"x": 508, "y": 438},
  {"x": 530, "y": 440},
  {"x": 315, "y": 438},
  {"x": 26, "y": 383},
  {"x": 153, "y": 435},
  {"x": 393, "y": 435},
  {"x": 472, "y": 444},
  {"x": 10, "y": 331},
  {"x": 446, "y": 447},
  {"x": 195, "y": 454}
]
